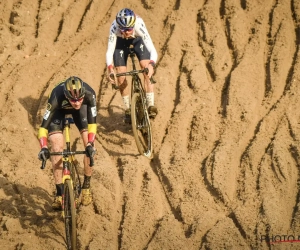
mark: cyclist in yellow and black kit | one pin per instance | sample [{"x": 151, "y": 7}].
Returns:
[{"x": 75, "y": 97}]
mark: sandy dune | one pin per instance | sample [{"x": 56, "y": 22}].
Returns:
[{"x": 225, "y": 173}]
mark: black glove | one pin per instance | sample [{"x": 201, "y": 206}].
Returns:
[
  {"x": 90, "y": 151},
  {"x": 44, "y": 154}
]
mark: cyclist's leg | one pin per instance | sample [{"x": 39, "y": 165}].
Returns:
[
  {"x": 143, "y": 55},
  {"x": 57, "y": 143},
  {"x": 80, "y": 120},
  {"x": 149, "y": 89},
  {"x": 144, "y": 59},
  {"x": 120, "y": 61}
]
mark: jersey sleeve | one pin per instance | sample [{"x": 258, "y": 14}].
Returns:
[
  {"x": 141, "y": 30},
  {"x": 51, "y": 107},
  {"x": 91, "y": 113},
  {"x": 112, "y": 40}
]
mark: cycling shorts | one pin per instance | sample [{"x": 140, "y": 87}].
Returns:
[{"x": 122, "y": 50}]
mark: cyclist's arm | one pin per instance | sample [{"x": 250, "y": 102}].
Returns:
[
  {"x": 91, "y": 114},
  {"x": 42, "y": 136},
  {"x": 43, "y": 130},
  {"x": 141, "y": 30},
  {"x": 112, "y": 39}
]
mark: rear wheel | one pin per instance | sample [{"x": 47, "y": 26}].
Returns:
[
  {"x": 141, "y": 126},
  {"x": 69, "y": 215}
]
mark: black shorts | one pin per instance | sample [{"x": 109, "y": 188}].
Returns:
[
  {"x": 122, "y": 50},
  {"x": 79, "y": 117}
]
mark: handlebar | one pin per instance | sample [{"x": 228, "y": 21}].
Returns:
[
  {"x": 131, "y": 73},
  {"x": 68, "y": 153}
]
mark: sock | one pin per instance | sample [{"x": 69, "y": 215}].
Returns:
[
  {"x": 150, "y": 99},
  {"x": 59, "y": 189},
  {"x": 126, "y": 101},
  {"x": 86, "y": 182}
]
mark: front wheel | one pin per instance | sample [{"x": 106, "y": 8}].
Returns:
[
  {"x": 76, "y": 180},
  {"x": 69, "y": 215},
  {"x": 141, "y": 126}
]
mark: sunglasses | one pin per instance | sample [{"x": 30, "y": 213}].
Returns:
[
  {"x": 126, "y": 29},
  {"x": 76, "y": 100}
]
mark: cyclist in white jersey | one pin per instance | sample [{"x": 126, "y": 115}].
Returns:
[{"x": 129, "y": 29}]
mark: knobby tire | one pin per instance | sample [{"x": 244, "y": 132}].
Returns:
[
  {"x": 76, "y": 181},
  {"x": 70, "y": 215},
  {"x": 141, "y": 126}
]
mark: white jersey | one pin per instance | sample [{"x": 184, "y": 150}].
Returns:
[{"x": 139, "y": 30}]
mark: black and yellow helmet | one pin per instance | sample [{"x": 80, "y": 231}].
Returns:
[{"x": 74, "y": 88}]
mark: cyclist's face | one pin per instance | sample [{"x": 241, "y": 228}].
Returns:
[
  {"x": 127, "y": 33},
  {"x": 76, "y": 104}
]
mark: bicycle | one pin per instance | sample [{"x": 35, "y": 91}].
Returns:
[
  {"x": 140, "y": 120},
  {"x": 72, "y": 185}
]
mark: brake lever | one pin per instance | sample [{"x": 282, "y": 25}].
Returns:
[
  {"x": 114, "y": 86},
  {"x": 43, "y": 164},
  {"x": 151, "y": 78},
  {"x": 91, "y": 161}
]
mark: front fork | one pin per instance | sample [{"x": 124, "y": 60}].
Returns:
[
  {"x": 66, "y": 175},
  {"x": 66, "y": 169},
  {"x": 135, "y": 89}
]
